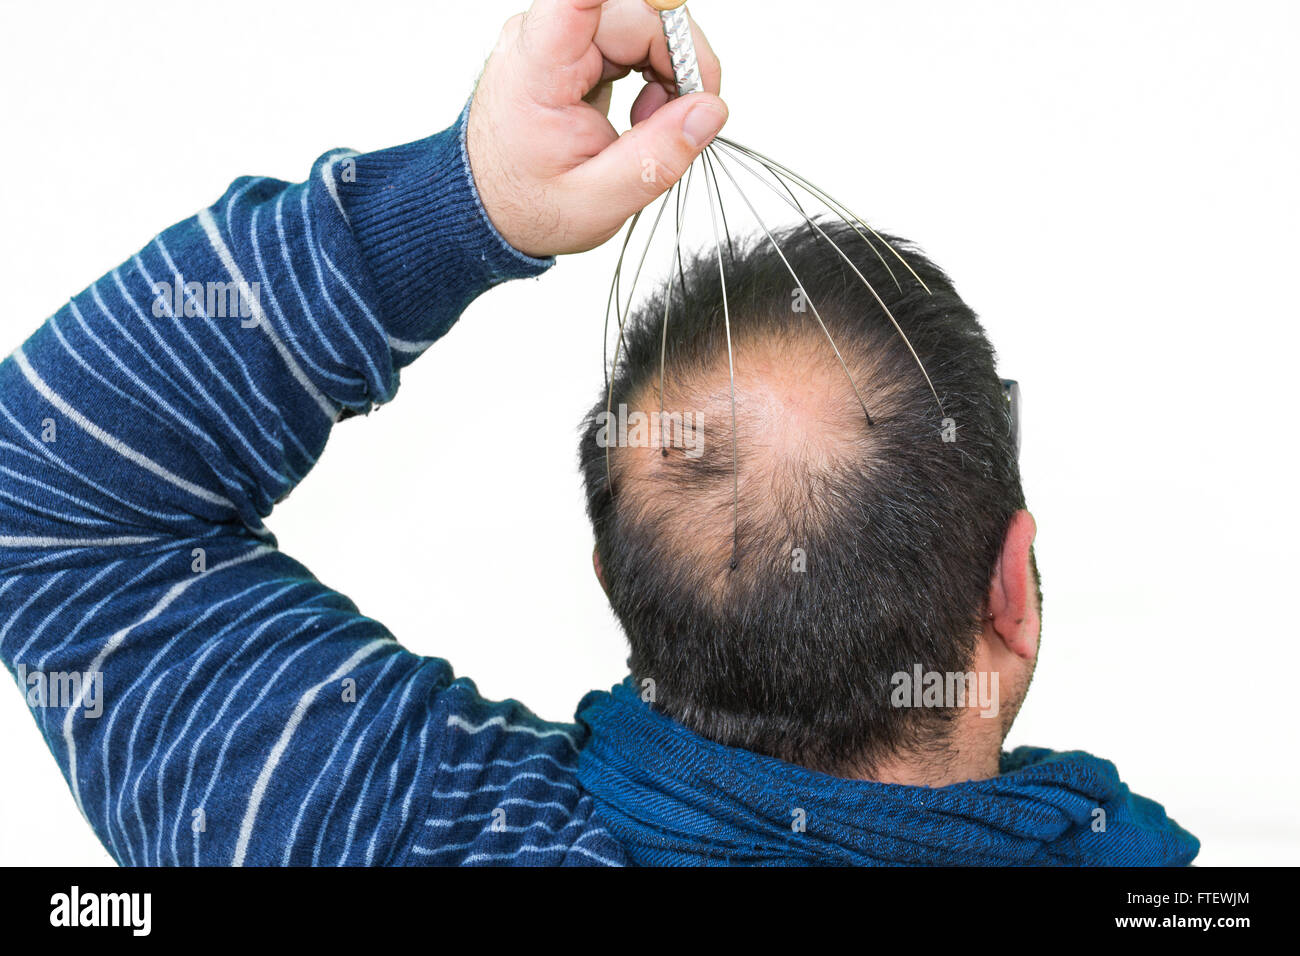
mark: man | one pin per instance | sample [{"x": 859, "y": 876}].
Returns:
[{"x": 210, "y": 702}]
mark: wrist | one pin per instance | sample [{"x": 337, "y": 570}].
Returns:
[{"x": 421, "y": 226}]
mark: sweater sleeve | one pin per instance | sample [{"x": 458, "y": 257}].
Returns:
[{"x": 208, "y": 700}]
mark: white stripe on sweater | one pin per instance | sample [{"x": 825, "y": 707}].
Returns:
[
  {"x": 455, "y": 720},
  {"x": 223, "y": 252},
  {"x": 105, "y": 438},
  {"x": 115, "y": 641},
  {"x": 281, "y": 745},
  {"x": 10, "y": 541},
  {"x": 327, "y": 177}
]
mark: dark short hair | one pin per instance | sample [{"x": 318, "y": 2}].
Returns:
[{"x": 900, "y": 530}]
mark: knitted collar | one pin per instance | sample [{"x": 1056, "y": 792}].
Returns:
[{"x": 673, "y": 798}]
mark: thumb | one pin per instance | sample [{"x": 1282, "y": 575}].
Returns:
[{"x": 624, "y": 177}]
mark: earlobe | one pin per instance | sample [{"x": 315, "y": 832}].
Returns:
[
  {"x": 1010, "y": 609},
  {"x": 600, "y": 574}
]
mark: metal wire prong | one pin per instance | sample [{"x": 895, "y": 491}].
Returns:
[
  {"x": 614, "y": 293},
  {"x": 795, "y": 199},
  {"x": 803, "y": 212},
  {"x": 681, "y": 199},
  {"x": 784, "y": 185},
  {"x": 781, "y": 180},
  {"x": 636, "y": 276},
  {"x": 828, "y": 199},
  {"x": 682, "y": 196},
  {"x": 870, "y": 288},
  {"x": 731, "y": 373},
  {"x": 731, "y": 250},
  {"x": 777, "y": 246},
  {"x": 622, "y": 315}
]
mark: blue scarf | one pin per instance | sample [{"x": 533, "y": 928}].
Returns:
[{"x": 673, "y": 798}]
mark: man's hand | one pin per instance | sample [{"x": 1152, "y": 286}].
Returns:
[{"x": 553, "y": 174}]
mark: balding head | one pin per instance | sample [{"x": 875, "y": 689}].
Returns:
[{"x": 861, "y": 547}]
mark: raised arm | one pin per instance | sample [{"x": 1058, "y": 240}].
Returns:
[
  {"x": 147, "y": 429},
  {"x": 208, "y": 700}
]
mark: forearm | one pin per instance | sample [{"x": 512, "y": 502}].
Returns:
[{"x": 213, "y": 414}]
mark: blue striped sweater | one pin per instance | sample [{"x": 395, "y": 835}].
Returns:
[{"x": 250, "y": 715}]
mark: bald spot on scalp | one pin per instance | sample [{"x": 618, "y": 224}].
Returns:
[{"x": 797, "y": 421}]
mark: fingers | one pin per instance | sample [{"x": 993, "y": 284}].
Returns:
[
  {"x": 563, "y": 56},
  {"x": 565, "y": 48},
  {"x": 649, "y": 158},
  {"x": 651, "y": 97},
  {"x": 555, "y": 34}
]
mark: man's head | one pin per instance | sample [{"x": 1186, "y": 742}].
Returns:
[{"x": 774, "y": 600}]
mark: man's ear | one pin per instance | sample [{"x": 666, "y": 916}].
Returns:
[
  {"x": 1011, "y": 610},
  {"x": 600, "y": 574}
]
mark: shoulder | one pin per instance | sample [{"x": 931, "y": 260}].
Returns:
[{"x": 505, "y": 791}]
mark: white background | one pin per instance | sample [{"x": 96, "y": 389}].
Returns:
[{"x": 1112, "y": 185}]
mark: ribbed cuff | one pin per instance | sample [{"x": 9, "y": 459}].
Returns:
[{"x": 422, "y": 229}]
